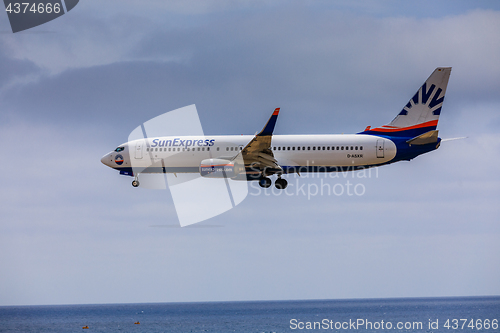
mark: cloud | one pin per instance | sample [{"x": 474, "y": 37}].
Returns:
[
  {"x": 351, "y": 69},
  {"x": 16, "y": 71}
]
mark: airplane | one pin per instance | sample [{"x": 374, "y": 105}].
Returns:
[{"x": 255, "y": 158}]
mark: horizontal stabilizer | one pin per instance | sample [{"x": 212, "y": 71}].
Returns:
[{"x": 423, "y": 139}]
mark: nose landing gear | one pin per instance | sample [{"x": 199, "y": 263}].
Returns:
[{"x": 135, "y": 182}]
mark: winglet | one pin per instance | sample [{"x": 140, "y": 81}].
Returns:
[{"x": 269, "y": 128}]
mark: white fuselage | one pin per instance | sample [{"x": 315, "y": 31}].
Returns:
[{"x": 184, "y": 154}]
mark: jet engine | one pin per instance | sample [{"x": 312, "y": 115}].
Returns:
[{"x": 220, "y": 168}]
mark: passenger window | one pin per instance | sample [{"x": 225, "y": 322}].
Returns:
[
  {"x": 156, "y": 149},
  {"x": 227, "y": 148},
  {"x": 356, "y": 148},
  {"x": 314, "y": 148},
  {"x": 342, "y": 148},
  {"x": 293, "y": 148},
  {"x": 208, "y": 148},
  {"x": 303, "y": 148},
  {"x": 308, "y": 148},
  {"x": 352, "y": 148},
  {"x": 323, "y": 148},
  {"x": 287, "y": 148},
  {"x": 361, "y": 148}
]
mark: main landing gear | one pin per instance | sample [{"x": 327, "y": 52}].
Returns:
[
  {"x": 265, "y": 182},
  {"x": 280, "y": 183}
]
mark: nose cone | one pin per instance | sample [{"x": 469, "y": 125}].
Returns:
[{"x": 106, "y": 160}]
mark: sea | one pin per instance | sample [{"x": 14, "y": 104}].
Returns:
[{"x": 454, "y": 314}]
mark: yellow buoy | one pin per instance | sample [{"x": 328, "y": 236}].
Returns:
[{"x": 137, "y": 323}]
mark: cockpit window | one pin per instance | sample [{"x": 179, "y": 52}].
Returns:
[{"x": 119, "y": 149}]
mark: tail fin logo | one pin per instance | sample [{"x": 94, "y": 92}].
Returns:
[{"x": 422, "y": 97}]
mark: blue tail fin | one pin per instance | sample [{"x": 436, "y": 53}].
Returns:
[{"x": 421, "y": 113}]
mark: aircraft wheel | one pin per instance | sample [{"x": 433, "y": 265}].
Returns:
[
  {"x": 265, "y": 182},
  {"x": 135, "y": 183},
  {"x": 281, "y": 183}
]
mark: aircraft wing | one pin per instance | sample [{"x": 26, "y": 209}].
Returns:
[{"x": 257, "y": 153}]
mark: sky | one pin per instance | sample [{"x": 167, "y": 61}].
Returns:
[{"x": 73, "y": 231}]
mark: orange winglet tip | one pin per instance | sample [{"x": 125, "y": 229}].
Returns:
[
  {"x": 276, "y": 111},
  {"x": 367, "y": 128}
]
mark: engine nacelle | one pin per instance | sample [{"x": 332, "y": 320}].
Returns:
[{"x": 220, "y": 168}]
